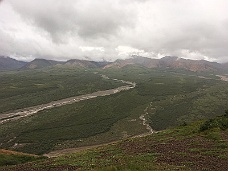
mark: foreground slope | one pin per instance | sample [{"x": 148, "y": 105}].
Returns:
[
  {"x": 200, "y": 146},
  {"x": 8, "y": 157}
]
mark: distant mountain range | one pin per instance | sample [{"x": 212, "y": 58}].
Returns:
[
  {"x": 7, "y": 63},
  {"x": 170, "y": 62},
  {"x": 85, "y": 63},
  {"x": 40, "y": 63}
]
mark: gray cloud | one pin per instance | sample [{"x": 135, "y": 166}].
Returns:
[
  {"x": 88, "y": 19},
  {"x": 107, "y": 29}
]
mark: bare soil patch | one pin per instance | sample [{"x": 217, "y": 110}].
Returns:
[{"x": 197, "y": 153}]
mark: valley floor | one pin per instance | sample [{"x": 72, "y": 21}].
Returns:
[
  {"x": 76, "y": 136},
  {"x": 35, "y": 109}
]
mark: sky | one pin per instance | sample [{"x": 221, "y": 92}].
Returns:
[{"x": 114, "y": 29}]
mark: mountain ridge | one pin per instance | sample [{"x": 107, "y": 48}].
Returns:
[
  {"x": 174, "y": 62},
  {"x": 170, "y": 62},
  {"x": 40, "y": 63},
  {"x": 7, "y": 63}
]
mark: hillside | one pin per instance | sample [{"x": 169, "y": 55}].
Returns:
[
  {"x": 163, "y": 98},
  {"x": 8, "y": 157},
  {"x": 191, "y": 65},
  {"x": 40, "y": 63},
  {"x": 146, "y": 62},
  {"x": 225, "y": 66},
  {"x": 44, "y": 63},
  {"x": 202, "y": 145},
  {"x": 169, "y": 62},
  {"x": 84, "y": 63},
  {"x": 7, "y": 63}
]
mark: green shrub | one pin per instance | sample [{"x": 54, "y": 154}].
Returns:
[
  {"x": 219, "y": 122},
  {"x": 226, "y": 112},
  {"x": 15, "y": 159}
]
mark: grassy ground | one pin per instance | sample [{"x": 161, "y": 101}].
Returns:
[
  {"x": 71, "y": 122},
  {"x": 20, "y": 89},
  {"x": 176, "y": 98},
  {"x": 183, "y": 148},
  {"x": 14, "y": 158}
]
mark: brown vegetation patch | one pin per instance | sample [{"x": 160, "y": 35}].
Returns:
[
  {"x": 197, "y": 153},
  {"x": 47, "y": 166},
  {"x": 8, "y": 152}
]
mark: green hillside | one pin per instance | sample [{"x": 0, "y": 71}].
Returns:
[
  {"x": 202, "y": 145},
  {"x": 167, "y": 98},
  {"x": 14, "y": 158}
]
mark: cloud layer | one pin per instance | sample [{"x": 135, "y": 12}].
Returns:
[{"x": 107, "y": 29}]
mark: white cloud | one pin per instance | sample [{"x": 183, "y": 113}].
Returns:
[
  {"x": 194, "y": 55},
  {"x": 128, "y": 51},
  {"x": 89, "y": 48},
  {"x": 107, "y": 29}
]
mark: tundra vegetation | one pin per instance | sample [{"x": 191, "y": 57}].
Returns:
[
  {"x": 181, "y": 148},
  {"x": 170, "y": 97}
]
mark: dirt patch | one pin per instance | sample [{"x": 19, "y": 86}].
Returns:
[
  {"x": 8, "y": 152},
  {"x": 197, "y": 153},
  {"x": 222, "y": 77},
  {"x": 74, "y": 150}
]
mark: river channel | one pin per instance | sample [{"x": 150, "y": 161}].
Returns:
[{"x": 6, "y": 117}]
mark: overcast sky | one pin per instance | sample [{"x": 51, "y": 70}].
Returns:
[{"x": 111, "y": 29}]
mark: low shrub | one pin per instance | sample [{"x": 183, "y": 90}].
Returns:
[{"x": 219, "y": 122}]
